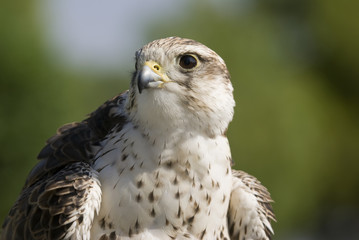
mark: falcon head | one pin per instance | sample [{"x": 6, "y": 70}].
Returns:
[{"x": 180, "y": 84}]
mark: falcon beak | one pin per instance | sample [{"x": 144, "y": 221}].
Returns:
[{"x": 151, "y": 76}]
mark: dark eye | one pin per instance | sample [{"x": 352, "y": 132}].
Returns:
[{"x": 188, "y": 62}]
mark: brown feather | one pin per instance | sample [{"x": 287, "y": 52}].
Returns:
[{"x": 58, "y": 185}]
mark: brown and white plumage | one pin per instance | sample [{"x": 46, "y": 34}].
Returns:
[{"x": 151, "y": 163}]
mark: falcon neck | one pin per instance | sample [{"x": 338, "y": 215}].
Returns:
[
  {"x": 165, "y": 137},
  {"x": 178, "y": 142}
]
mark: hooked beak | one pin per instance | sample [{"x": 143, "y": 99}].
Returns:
[{"x": 151, "y": 76}]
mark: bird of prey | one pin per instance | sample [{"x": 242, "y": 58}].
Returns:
[{"x": 151, "y": 163}]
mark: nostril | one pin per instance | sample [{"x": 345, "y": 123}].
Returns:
[{"x": 157, "y": 67}]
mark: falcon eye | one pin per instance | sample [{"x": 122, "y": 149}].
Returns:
[{"x": 188, "y": 62}]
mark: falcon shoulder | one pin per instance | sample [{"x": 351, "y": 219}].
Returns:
[
  {"x": 250, "y": 210},
  {"x": 62, "y": 192}
]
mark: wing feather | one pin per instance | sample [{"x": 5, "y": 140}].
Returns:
[
  {"x": 250, "y": 210},
  {"x": 62, "y": 192},
  {"x": 56, "y": 205}
]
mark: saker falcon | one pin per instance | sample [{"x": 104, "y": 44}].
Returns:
[{"x": 152, "y": 163}]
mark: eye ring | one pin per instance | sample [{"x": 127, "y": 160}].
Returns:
[{"x": 188, "y": 61}]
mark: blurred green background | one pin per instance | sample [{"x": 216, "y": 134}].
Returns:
[{"x": 294, "y": 67}]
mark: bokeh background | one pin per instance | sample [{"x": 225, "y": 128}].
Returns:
[{"x": 294, "y": 66}]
